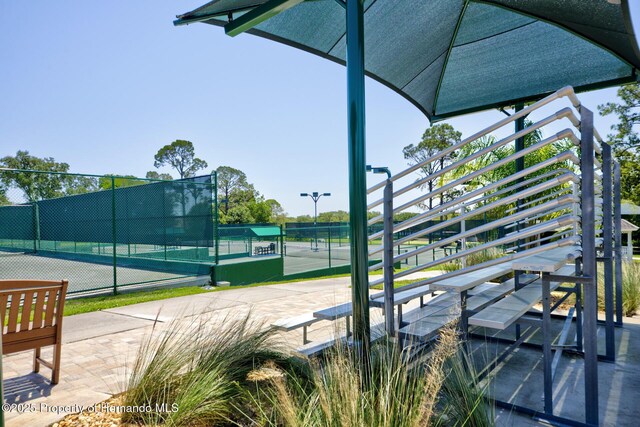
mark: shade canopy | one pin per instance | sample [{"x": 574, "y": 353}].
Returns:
[
  {"x": 268, "y": 231},
  {"x": 450, "y": 57}
]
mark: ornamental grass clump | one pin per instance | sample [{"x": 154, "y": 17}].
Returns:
[
  {"x": 193, "y": 374},
  {"x": 235, "y": 372},
  {"x": 630, "y": 287},
  {"x": 396, "y": 393}
]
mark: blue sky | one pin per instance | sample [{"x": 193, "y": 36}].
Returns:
[{"x": 103, "y": 85}]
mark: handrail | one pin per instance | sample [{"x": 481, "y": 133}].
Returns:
[{"x": 565, "y": 91}]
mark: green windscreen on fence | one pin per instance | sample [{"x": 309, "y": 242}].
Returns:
[
  {"x": 102, "y": 232},
  {"x": 161, "y": 213}
]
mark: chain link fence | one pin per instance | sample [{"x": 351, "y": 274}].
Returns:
[{"x": 104, "y": 232}]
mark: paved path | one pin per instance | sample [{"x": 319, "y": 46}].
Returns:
[{"x": 98, "y": 346}]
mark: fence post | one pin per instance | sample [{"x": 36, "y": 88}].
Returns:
[
  {"x": 36, "y": 227},
  {"x": 113, "y": 222},
  {"x": 216, "y": 231},
  {"x": 589, "y": 267},
  {"x": 329, "y": 239}
]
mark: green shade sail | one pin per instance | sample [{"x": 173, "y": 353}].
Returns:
[{"x": 450, "y": 57}]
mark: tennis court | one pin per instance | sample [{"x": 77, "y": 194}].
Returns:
[{"x": 82, "y": 275}]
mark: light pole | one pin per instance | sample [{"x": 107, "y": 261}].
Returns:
[{"x": 315, "y": 196}]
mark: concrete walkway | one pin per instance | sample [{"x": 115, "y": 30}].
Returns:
[{"x": 99, "y": 346}]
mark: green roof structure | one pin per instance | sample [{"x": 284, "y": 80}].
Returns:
[
  {"x": 270, "y": 231},
  {"x": 449, "y": 57}
]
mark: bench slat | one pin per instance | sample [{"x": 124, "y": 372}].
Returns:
[
  {"x": 13, "y": 312},
  {"x": 37, "y": 313},
  {"x": 335, "y": 312},
  {"x": 505, "y": 312},
  {"x": 548, "y": 261},
  {"x": 292, "y": 323},
  {"x": 26, "y": 311},
  {"x": 3, "y": 308},
  {"x": 51, "y": 305},
  {"x": 472, "y": 279},
  {"x": 402, "y": 297}
]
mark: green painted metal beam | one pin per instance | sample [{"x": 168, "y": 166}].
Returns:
[
  {"x": 257, "y": 15},
  {"x": 358, "y": 178}
]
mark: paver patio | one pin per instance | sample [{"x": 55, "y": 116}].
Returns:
[{"x": 99, "y": 346}]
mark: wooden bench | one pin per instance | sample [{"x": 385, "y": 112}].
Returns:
[
  {"x": 505, "y": 312},
  {"x": 21, "y": 300},
  {"x": 302, "y": 321}
]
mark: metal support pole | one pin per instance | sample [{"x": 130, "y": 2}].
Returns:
[
  {"x": 463, "y": 241},
  {"x": 114, "y": 234},
  {"x": 36, "y": 227},
  {"x": 315, "y": 222},
  {"x": 546, "y": 344},
  {"x": 216, "y": 220},
  {"x": 617, "y": 218},
  {"x": 357, "y": 178},
  {"x": 589, "y": 267},
  {"x": 519, "y": 146},
  {"x": 389, "y": 316},
  {"x": 578, "y": 291},
  {"x": 329, "y": 239},
  {"x": 464, "y": 318},
  {"x": 607, "y": 234}
]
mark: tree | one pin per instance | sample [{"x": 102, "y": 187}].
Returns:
[
  {"x": 4, "y": 200},
  {"x": 159, "y": 176},
  {"x": 36, "y": 186},
  {"x": 180, "y": 155},
  {"x": 435, "y": 139},
  {"x": 629, "y": 175},
  {"x": 119, "y": 181},
  {"x": 81, "y": 185},
  {"x": 628, "y": 111},
  {"x": 334, "y": 216},
  {"x": 230, "y": 180}
]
